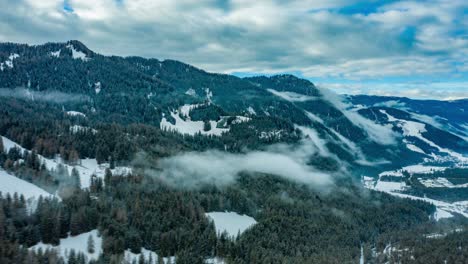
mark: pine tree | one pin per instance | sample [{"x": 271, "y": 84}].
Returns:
[
  {"x": 90, "y": 245},
  {"x": 2, "y": 149},
  {"x": 75, "y": 176}
]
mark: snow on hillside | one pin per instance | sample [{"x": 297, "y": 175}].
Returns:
[
  {"x": 444, "y": 209},
  {"x": 188, "y": 126},
  {"x": 97, "y": 87},
  {"x": 86, "y": 167},
  {"x": 76, "y": 54},
  {"x": 231, "y": 222},
  {"x": 55, "y": 54},
  {"x": 147, "y": 255},
  {"x": 440, "y": 182},
  {"x": 415, "y": 129},
  {"x": 251, "y": 111},
  {"x": 191, "y": 127},
  {"x": 77, "y": 243},
  {"x": 77, "y": 128},
  {"x": 12, "y": 184},
  {"x": 75, "y": 113},
  {"x": 9, "y": 62},
  {"x": 418, "y": 168}
]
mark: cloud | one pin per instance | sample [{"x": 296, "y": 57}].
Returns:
[
  {"x": 47, "y": 96},
  {"x": 292, "y": 97},
  {"x": 195, "y": 169},
  {"x": 382, "y": 134},
  {"x": 450, "y": 90},
  {"x": 315, "y": 37}
]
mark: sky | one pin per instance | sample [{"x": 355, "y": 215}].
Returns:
[{"x": 417, "y": 49}]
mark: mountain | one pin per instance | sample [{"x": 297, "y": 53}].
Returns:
[{"x": 92, "y": 128}]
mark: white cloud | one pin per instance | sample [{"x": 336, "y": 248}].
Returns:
[
  {"x": 192, "y": 169},
  {"x": 309, "y": 36},
  {"x": 418, "y": 90}
]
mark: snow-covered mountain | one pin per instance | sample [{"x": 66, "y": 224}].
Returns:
[{"x": 68, "y": 110}]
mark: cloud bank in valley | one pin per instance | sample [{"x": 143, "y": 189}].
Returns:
[
  {"x": 194, "y": 169},
  {"x": 46, "y": 96}
]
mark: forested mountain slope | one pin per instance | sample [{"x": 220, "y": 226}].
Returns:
[{"x": 139, "y": 150}]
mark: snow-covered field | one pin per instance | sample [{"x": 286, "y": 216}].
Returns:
[
  {"x": 231, "y": 222},
  {"x": 187, "y": 126},
  {"x": 440, "y": 183},
  {"x": 86, "y": 167},
  {"x": 444, "y": 209},
  {"x": 11, "y": 184},
  {"x": 418, "y": 168},
  {"x": 77, "y": 243},
  {"x": 191, "y": 127}
]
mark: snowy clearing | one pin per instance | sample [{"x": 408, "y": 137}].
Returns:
[
  {"x": 231, "y": 222},
  {"x": 444, "y": 209},
  {"x": 86, "y": 167},
  {"x": 77, "y": 54},
  {"x": 77, "y": 243},
  {"x": 12, "y": 184},
  {"x": 76, "y": 129},
  {"x": 75, "y": 113},
  {"x": 9, "y": 62},
  {"x": 440, "y": 183},
  {"x": 418, "y": 168},
  {"x": 55, "y": 54},
  {"x": 385, "y": 186},
  {"x": 188, "y": 126}
]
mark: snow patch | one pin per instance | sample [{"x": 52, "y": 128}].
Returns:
[
  {"x": 9, "y": 62},
  {"x": 76, "y": 54},
  {"x": 412, "y": 169},
  {"x": 231, "y": 222},
  {"x": 415, "y": 129},
  {"x": 86, "y": 167},
  {"x": 77, "y": 129},
  {"x": 97, "y": 87},
  {"x": 12, "y": 184},
  {"x": 414, "y": 148},
  {"x": 440, "y": 183},
  {"x": 147, "y": 255},
  {"x": 385, "y": 186},
  {"x": 440, "y": 214},
  {"x": 444, "y": 209},
  {"x": 251, "y": 110},
  {"x": 188, "y": 126},
  {"x": 191, "y": 92},
  {"x": 55, "y": 54},
  {"x": 75, "y": 113},
  {"x": 77, "y": 243}
]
